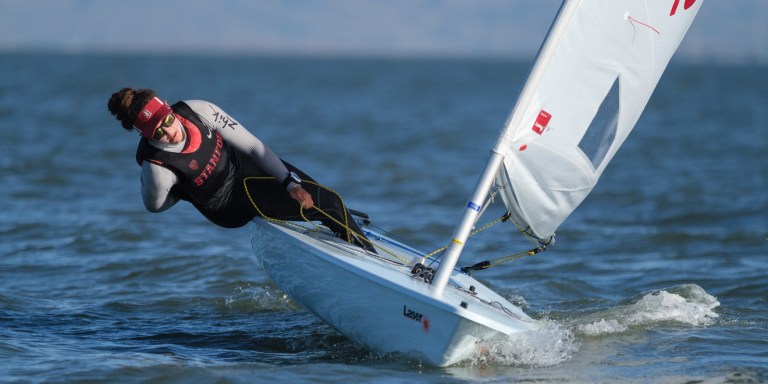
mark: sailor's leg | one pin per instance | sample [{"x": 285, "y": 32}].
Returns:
[{"x": 272, "y": 201}]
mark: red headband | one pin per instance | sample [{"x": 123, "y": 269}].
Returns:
[{"x": 149, "y": 116}]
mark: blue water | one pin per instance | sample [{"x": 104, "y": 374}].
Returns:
[{"x": 660, "y": 276}]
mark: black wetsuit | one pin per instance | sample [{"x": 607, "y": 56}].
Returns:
[{"x": 213, "y": 176}]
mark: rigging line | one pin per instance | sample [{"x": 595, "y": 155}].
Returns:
[
  {"x": 471, "y": 234},
  {"x": 301, "y": 212},
  {"x": 503, "y": 218},
  {"x": 271, "y": 219},
  {"x": 345, "y": 225},
  {"x": 488, "y": 201},
  {"x": 501, "y": 260}
]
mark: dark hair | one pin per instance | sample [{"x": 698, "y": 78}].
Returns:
[{"x": 126, "y": 104}]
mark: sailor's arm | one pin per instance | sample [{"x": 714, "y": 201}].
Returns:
[
  {"x": 156, "y": 184},
  {"x": 244, "y": 141}
]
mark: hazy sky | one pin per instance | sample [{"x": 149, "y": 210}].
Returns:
[{"x": 732, "y": 30}]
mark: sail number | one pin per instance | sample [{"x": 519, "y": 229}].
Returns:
[{"x": 687, "y": 4}]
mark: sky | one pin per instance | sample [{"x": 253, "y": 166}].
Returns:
[{"x": 725, "y": 30}]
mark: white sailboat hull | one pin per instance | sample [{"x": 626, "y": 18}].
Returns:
[{"x": 376, "y": 301}]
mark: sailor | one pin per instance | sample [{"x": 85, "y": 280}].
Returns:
[{"x": 194, "y": 151}]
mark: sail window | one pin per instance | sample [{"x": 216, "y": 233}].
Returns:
[{"x": 602, "y": 130}]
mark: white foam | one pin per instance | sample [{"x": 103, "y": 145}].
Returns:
[
  {"x": 602, "y": 327},
  {"x": 687, "y": 304},
  {"x": 556, "y": 341},
  {"x": 259, "y": 298},
  {"x": 550, "y": 345}
]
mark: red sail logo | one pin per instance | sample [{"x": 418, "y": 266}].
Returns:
[
  {"x": 686, "y": 5},
  {"x": 541, "y": 122}
]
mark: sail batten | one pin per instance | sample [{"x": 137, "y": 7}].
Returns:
[{"x": 590, "y": 82}]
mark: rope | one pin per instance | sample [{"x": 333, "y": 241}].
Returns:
[
  {"x": 271, "y": 219},
  {"x": 345, "y": 225},
  {"x": 501, "y": 219},
  {"x": 501, "y": 260}
]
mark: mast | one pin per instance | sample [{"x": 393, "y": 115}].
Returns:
[
  {"x": 472, "y": 210},
  {"x": 466, "y": 223}
]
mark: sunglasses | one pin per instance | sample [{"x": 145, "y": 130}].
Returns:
[{"x": 160, "y": 131}]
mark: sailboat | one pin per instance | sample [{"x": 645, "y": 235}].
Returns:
[{"x": 589, "y": 84}]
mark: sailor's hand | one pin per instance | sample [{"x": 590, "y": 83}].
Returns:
[{"x": 303, "y": 197}]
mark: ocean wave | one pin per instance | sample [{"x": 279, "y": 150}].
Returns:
[
  {"x": 685, "y": 304},
  {"x": 262, "y": 297},
  {"x": 557, "y": 341}
]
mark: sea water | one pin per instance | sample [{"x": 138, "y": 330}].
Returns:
[{"x": 660, "y": 276}]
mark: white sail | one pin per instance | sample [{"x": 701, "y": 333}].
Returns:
[{"x": 591, "y": 81}]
